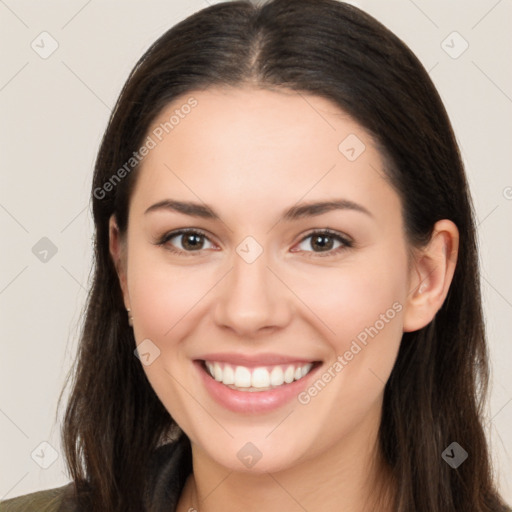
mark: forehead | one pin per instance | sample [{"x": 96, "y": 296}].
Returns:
[
  {"x": 257, "y": 147},
  {"x": 241, "y": 124}
]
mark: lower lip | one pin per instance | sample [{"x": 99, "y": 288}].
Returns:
[{"x": 252, "y": 402}]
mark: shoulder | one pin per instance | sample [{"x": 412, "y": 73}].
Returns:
[
  {"x": 50, "y": 500},
  {"x": 170, "y": 466}
]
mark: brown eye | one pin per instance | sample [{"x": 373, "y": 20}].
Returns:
[
  {"x": 190, "y": 240},
  {"x": 324, "y": 242}
]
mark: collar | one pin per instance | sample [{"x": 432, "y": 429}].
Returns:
[{"x": 171, "y": 464}]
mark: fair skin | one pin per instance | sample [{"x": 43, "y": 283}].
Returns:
[{"x": 250, "y": 155}]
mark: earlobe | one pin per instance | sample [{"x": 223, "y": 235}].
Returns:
[
  {"x": 431, "y": 276},
  {"x": 117, "y": 253}
]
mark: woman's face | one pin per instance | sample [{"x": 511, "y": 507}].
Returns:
[{"x": 258, "y": 284}]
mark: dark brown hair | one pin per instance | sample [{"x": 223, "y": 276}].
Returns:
[{"x": 438, "y": 386}]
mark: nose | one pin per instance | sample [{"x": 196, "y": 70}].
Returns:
[{"x": 252, "y": 299}]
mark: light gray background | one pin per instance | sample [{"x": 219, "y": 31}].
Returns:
[{"x": 53, "y": 113}]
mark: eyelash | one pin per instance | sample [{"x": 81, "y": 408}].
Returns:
[{"x": 347, "y": 244}]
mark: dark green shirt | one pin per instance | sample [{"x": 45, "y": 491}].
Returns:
[{"x": 170, "y": 466}]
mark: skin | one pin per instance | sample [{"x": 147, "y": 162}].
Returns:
[{"x": 250, "y": 154}]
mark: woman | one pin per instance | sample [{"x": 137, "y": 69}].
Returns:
[{"x": 285, "y": 312}]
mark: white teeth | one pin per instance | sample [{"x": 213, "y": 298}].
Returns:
[
  {"x": 256, "y": 379},
  {"x": 288, "y": 374},
  {"x": 228, "y": 375},
  {"x": 260, "y": 378},
  {"x": 217, "y": 372},
  {"x": 276, "y": 376},
  {"x": 242, "y": 377}
]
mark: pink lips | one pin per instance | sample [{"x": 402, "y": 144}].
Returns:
[{"x": 252, "y": 402}]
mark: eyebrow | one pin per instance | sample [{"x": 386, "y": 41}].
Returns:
[{"x": 295, "y": 212}]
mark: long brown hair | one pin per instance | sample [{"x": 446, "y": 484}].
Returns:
[{"x": 438, "y": 386}]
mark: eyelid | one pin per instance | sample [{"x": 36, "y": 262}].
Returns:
[{"x": 330, "y": 232}]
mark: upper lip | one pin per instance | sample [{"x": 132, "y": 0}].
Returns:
[{"x": 265, "y": 359}]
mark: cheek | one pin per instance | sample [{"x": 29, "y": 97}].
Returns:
[
  {"x": 161, "y": 294},
  {"x": 364, "y": 311},
  {"x": 163, "y": 297},
  {"x": 359, "y": 298},
  {"x": 363, "y": 308}
]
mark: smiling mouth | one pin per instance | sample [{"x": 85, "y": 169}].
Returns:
[{"x": 259, "y": 378}]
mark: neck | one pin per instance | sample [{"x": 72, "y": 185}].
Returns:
[{"x": 348, "y": 477}]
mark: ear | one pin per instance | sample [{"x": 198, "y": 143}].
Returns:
[
  {"x": 431, "y": 274},
  {"x": 117, "y": 248}
]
